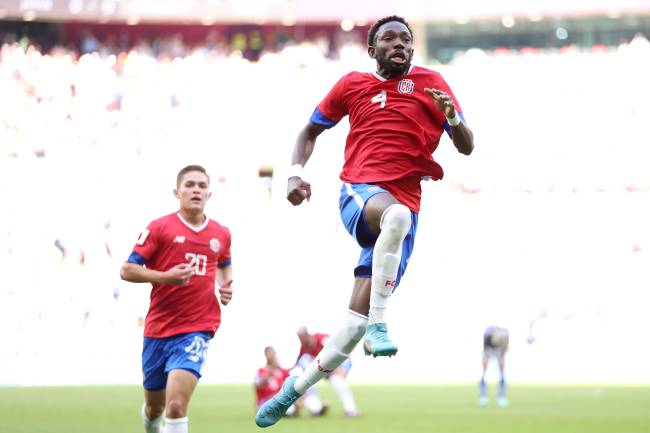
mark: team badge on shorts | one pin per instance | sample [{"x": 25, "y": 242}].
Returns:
[
  {"x": 406, "y": 86},
  {"x": 215, "y": 245}
]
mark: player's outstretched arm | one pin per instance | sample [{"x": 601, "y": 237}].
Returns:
[
  {"x": 297, "y": 189},
  {"x": 224, "y": 279},
  {"x": 461, "y": 135},
  {"x": 134, "y": 273}
]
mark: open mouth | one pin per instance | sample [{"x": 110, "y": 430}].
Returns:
[
  {"x": 196, "y": 199},
  {"x": 398, "y": 57}
]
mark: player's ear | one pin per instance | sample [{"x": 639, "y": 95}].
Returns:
[
  {"x": 209, "y": 195},
  {"x": 371, "y": 52},
  {"x": 176, "y": 194}
]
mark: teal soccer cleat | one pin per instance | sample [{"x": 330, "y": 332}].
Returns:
[
  {"x": 276, "y": 407},
  {"x": 377, "y": 343}
]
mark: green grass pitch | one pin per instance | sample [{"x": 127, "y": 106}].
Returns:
[{"x": 408, "y": 409}]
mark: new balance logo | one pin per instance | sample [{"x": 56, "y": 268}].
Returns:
[
  {"x": 321, "y": 368},
  {"x": 179, "y": 239}
]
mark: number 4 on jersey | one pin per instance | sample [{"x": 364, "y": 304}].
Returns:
[{"x": 381, "y": 98}]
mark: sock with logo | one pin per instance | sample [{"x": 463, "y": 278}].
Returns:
[
  {"x": 386, "y": 257},
  {"x": 336, "y": 350}
]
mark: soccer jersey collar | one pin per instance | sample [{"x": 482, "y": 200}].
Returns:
[
  {"x": 380, "y": 78},
  {"x": 190, "y": 226}
]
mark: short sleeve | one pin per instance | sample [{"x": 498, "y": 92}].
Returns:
[
  {"x": 147, "y": 243},
  {"x": 332, "y": 108},
  {"x": 225, "y": 258}
]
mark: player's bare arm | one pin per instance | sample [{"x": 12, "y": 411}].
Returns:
[
  {"x": 461, "y": 135},
  {"x": 297, "y": 189},
  {"x": 134, "y": 273},
  {"x": 224, "y": 280}
]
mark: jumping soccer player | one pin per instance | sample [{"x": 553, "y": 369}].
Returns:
[{"x": 397, "y": 116}]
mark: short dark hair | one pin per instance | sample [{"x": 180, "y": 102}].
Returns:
[
  {"x": 372, "y": 33},
  {"x": 187, "y": 169}
]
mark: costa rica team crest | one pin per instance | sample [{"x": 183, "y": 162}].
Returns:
[
  {"x": 215, "y": 245},
  {"x": 406, "y": 86}
]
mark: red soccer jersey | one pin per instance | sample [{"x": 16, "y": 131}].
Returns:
[
  {"x": 394, "y": 129},
  {"x": 315, "y": 348},
  {"x": 267, "y": 390},
  {"x": 192, "y": 307}
]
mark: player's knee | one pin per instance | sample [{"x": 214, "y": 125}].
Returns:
[
  {"x": 176, "y": 408},
  {"x": 153, "y": 411},
  {"x": 396, "y": 222}
]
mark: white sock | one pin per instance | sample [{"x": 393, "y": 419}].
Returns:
[
  {"x": 336, "y": 350},
  {"x": 151, "y": 426},
  {"x": 292, "y": 410},
  {"x": 176, "y": 425},
  {"x": 343, "y": 391},
  {"x": 386, "y": 256},
  {"x": 312, "y": 402}
]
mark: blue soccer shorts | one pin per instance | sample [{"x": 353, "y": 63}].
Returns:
[
  {"x": 353, "y": 199},
  {"x": 162, "y": 355}
]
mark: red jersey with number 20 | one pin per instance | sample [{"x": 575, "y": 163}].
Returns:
[
  {"x": 394, "y": 129},
  {"x": 191, "y": 307}
]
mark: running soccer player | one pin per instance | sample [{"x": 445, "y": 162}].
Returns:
[
  {"x": 397, "y": 116},
  {"x": 495, "y": 346},
  {"x": 181, "y": 255}
]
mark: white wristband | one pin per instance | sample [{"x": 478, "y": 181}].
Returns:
[
  {"x": 295, "y": 170},
  {"x": 454, "y": 121}
]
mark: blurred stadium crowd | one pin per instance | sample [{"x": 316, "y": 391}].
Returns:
[{"x": 551, "y": 213}]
